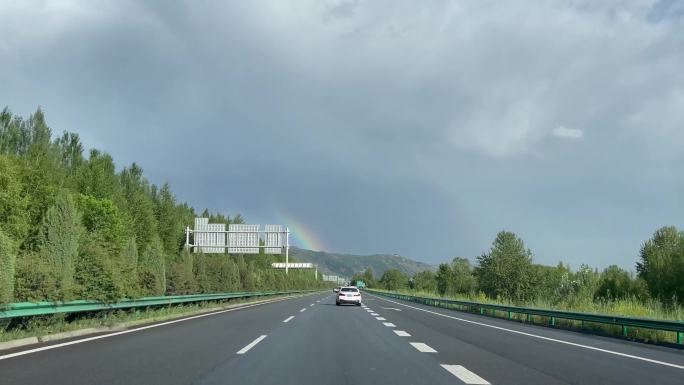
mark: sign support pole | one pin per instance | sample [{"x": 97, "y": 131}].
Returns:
[
  {"x": 187, "y": 237},
  {"x": 287, "y": 248}
]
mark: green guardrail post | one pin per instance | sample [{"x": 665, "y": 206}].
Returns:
[
  {"x": 624, "y": 331},
  {"x": 529, "y": 317},
  {"x": 553, "y": 321},
  {"x": 680, "y": 337},
  {"x": 510, "y": 315},
  {"x": 481, "y": 310}
]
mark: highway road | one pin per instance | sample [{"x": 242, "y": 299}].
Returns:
[{"x": 309, "y": 340}]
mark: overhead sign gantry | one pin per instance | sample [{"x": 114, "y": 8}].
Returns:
[{"x": 211, "y": 238}]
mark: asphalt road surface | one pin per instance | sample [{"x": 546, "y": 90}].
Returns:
[{"x": 309, "y": 340}]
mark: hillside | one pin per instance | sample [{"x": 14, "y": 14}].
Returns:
[{"x": 348, "y": 264}]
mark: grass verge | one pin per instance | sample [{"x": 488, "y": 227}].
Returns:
[
  {"x": 59, "y": 323},
  {"x": 626, "y": 308}
]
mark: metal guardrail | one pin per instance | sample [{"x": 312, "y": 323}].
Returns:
[
  {"x": 31, "y": 309},
  {"x": 553, "y": 315}
]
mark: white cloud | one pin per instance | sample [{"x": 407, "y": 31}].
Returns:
[
  {"x": 567, "y": 133},
  {"x": 490, "y": 79}
]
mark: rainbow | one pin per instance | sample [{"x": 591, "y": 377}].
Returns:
[{"x": 300, "y": 235}]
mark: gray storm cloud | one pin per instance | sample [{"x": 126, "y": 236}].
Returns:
[{"x": 387, "y": 126}]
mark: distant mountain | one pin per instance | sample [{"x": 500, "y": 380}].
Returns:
[{"x": 348, "y": 264}]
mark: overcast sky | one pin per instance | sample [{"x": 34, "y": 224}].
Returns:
[{"x": 414, "y": 127}]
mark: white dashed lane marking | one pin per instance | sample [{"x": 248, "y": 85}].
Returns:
[
  {"x": 645, "y": 359},
  {"x": 389, "y": 324},
  {"x": 288, "y": 318},
  {"x": 84, "y": 340},
  {"x": 251, "y": 345},
  {"x": 381, "y": 318},
  {"x": 401, "y": 333},
  {"x": 465, "y": 375},
  {"x": 422, "y": 347},
  {"x": 302, "y": 310}
]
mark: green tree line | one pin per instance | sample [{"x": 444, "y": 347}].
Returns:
[
  {"x": 72, "y": 227},
  {"x": 508, "y": 273}
]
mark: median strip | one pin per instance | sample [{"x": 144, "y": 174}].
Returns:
[
  {"x": 251, "y": 344},
  {"x": 465, "y": 375}
]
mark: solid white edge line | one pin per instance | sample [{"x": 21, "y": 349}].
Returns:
[
  {"x": 389, "y": 324},
  {"x": 288, "y": 318},
  {"x": 545, "y": 338},
  {"x": 423, "y": 348},
  {"x": 465, "y": 375},
  {"x": 401, "y": 333},
  {"x": 49, "y": 347},
  {"x": 251, "y": 345}
]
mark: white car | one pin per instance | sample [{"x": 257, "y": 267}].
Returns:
[{"x": 348, "y": 294}]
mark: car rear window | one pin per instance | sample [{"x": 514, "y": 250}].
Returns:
[{"x": 350, "y": 289}]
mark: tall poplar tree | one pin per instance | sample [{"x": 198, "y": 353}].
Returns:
[
  {"x": 8, "y": 259},
  {"x": 59, "y": 241}
]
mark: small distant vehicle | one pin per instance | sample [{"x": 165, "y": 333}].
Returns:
[
  {"x": 336, "y": 290},
  {"x": 348, "y": 294}
]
